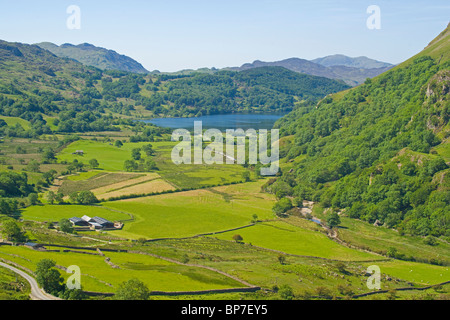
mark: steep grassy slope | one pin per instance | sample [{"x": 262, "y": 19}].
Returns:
[{"x": 379, "y": 150}]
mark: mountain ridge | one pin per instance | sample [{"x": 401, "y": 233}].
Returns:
[
  {"x": 92, "y": 55},
  {"x": 349, "y": 74}
]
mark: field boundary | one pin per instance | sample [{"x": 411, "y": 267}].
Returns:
[{"x": 399, "y": 289}]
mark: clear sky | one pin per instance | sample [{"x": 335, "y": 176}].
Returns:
[{"x": 170, "y": 35}]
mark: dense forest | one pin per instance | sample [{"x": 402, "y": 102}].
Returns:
[{"x": 378, "y": 152}]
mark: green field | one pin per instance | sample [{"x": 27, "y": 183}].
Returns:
[
  {"x": 380, "y": 239},
  {"x": 112, "y": 159},
  {"x": 157, "y": 274},
  {"x": 418, "y": 273},
  {"x": 109, "y": 157},
  {"x": 294, "y": 240},
  {"x": 54, "y": 213},
  {"x": 12, "y": 121},
  {"x": 194, "y": 212}
]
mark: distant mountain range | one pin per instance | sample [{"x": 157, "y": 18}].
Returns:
[
  {"x": 352, "y": 71},
  {"x": 91, "y": 55},
  {"x": 359, "y": 62}
]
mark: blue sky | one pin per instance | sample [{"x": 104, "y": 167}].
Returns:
[{"x": 171, "y": 35}]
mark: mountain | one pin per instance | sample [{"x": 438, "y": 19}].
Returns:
[
  {"x": 351, "y": 75},
  {"x": 91, "y": 55},
  {"x": 379, "y": 152},
  {"x": 57, "y": 94},
  {"x": 359, "y": 62}
]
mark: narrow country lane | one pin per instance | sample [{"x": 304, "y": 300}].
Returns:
[{"x": 36, "y": 292}]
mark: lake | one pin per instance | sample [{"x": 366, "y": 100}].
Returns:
[{"x": 222, "y": 121}]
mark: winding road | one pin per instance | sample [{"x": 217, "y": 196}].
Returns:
[{"x": 36, "y": 292}]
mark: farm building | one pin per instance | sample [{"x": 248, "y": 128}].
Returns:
[
  {"x": 96, "y": 223},
  {"x": 79, "y": 152},
  {"x": 34, "y": 246},
  {"x": 77, "y": 222},
  {"x": 103, "y": 222}
]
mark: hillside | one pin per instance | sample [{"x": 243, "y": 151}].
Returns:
[
  {"x": 62, "y": 95},
  {"x": 91, "y": 55},
  {"x": 259, "y": 89},
  {"x": 352, "y": 75},
  {"x": 379, "y": 151}
]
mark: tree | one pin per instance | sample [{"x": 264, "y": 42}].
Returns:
[
  {"x": 48, "y": 277},
  {"x": 238, "y": 238},
  {"x": 48, "y": 155},
  {"x": 286, "y": 292},
  {"x": 246, "y": 176},
  {"x": 65, "y": 226},
  {"x": 133, "y": 289},
  {"x": 282, "y": 206},
  {"x": 83, "y": 197},
  {"x": 333, "y": 220},
  {"x": 33, "y": 198},
  {"x": 8, "y": 207},
  {"x": 136, "y": 154},
  {"x": 150, "y": 164},
  {"x": 59, "y": 197},
  {"x": 51, "y": 197},
  {"x": 33, "y": 166},
  {"x": 118, "y": 144},
  {"x": 130, "y": 165},
  {"x": 281, "y": 259},
  {"x": 148, "y": 149},
  {"x": 298, "y": 202},
  {"x": 93, "y": 163},
  {"x": 12, "y": 231}
]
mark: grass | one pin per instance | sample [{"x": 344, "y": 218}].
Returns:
[
  {"x": 82, "y": 176},
  {"x": 109, "y": 157},
  {"x": 112, "y": 159},
  {"x": 380, "y": 239},
  {"x": 54, "y": 213},
  {"x": 12, "y": 286},
  {"x": 12, "y": 121},
  {"x": 190, "y": 213},
  {"x": 443, "y": 150},
  {"x": 290, "y": 239},
  {"x": 417, "y": 273},
  {"x": 157, "y": 274}
]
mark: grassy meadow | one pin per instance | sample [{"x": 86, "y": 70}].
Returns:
[
  {"x": 97, "y": 275},
  {"x": 54, "y": 213},
  {"x": 195, "y": 212}
]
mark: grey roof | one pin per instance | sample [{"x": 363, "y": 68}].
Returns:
[
  {"x": 101, "y": 221},
  {"x": 86, "y": 218},
  {"x": 76, "y": 219},
  {"x": 31, "y": 244},
  {"x": 95, "y": 224}
]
